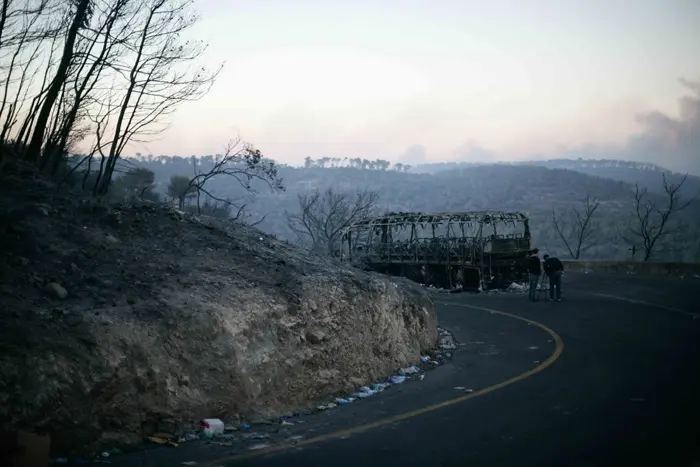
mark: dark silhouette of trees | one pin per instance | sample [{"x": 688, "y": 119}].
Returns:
[{"x": 112, "y": 69}]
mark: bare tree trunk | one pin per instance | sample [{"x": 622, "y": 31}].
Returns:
[
  {"x": 85, "y": 84},
  {"x": 652, "y": 222},
  {"x": 34, "y": 147},
  {"x": 578, "y": 232}
]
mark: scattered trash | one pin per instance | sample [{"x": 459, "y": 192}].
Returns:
[
  {"x": 424, "y": 358},
  {"x": 397, "y": 379},
  {"x": 365, "y": 392},
  {"x": 340, "y": 401},
  {"x": 533, "y": 347},
  {"x": 215, "y": 425},
  {"x": 157, "y": 440},
  {"x": 515, "y": 287},
  {"x": 421, "y": 377},
  {"x": 190, "y": 437},
  {"x": 257, "y": 447},
  {"x": 105, "y": 454},
  {"x": 245, "y": 427},
  {"x": 229, "y": 428},
  {"x": 411, "y": 370},
  {"x": 468, "y": 390},
  {"x": 459, "y": 388},
  {"x": 285, "y": 422}
]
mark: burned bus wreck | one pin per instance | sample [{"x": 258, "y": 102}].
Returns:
[{"x": 468, "y": 250}]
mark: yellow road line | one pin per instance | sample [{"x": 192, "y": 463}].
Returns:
[
  {"x": 558, "y": 349},
  {"x": 641, "y": 302}
]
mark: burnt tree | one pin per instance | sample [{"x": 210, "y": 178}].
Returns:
[
  {"x": 322, "y": 217},
  {"x": 578, "y": 229},
  {"x": 654, "y": 221}
]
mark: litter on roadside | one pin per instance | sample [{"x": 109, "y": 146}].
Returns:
[{"x": 397, "y": 379}]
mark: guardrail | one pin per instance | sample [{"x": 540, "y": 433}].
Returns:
[{"x": 633, "y": 267}]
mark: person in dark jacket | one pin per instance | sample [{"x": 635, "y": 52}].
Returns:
[
  {"x": 534, "y": 271},
  {"x": 554, "y": 270}
]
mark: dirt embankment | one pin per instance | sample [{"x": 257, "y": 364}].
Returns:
[{"x": 115, "y": 319}]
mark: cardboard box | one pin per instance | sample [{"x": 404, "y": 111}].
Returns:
[{"x": 22, "y": 449}]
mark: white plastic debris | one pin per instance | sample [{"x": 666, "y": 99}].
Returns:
[
  {"x": 397, "y": 379},
  {"x": 411, "y": 370},
  {"x": 515, "y": 287},
  {"x": 365, "y": 392},
  {"x": 259, "y": 446},
  {"x": 459, "y": 388},
  {"x": 213, "y": 425},
  {"x": 424, "y": 358}
]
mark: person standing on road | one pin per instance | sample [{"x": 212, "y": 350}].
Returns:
[
  {"x": 554, "y": 270},
  {"x": 534, "y": 271}
]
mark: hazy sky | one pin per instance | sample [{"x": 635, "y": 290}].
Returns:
[{"x": 455, "y": 79}]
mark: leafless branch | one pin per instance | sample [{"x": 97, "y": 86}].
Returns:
[
  {"x": 323, "y": 216},
  {"x": 158, "y": 75},
  {"x": 578, "y": 229},
  {"x": 653, "y": 223}
]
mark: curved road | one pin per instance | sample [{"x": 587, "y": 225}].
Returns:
[{"x": 610, "y": 376}]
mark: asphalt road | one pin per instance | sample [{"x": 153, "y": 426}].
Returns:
[{"x": 609, "y": 376}]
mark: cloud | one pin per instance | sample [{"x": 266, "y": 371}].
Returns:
[
  {"x": 472, "y": 152},
  {"x": 416, "y": 154},
  {"x": 668, "y": 141}
]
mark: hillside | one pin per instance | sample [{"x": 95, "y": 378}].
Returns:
[
  {"x": 533, "y": 190},
  {"x": 145, "y": 314},
  {"x": 647, "y": 175}
]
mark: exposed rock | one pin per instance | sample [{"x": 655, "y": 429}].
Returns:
[
  {"x": 315, "y": 336},
  {"x": 184, "y": 318},
  {"x": 111, "y": 239},
  {"x": 56, "y": 290}
]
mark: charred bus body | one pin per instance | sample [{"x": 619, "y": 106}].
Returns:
[{"x": 469, "y": 250}]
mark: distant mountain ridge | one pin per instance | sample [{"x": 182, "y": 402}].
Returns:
[{"x": 630, "y": 172}]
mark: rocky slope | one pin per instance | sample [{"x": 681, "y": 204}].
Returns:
[{"x": 115, "y": 319}]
